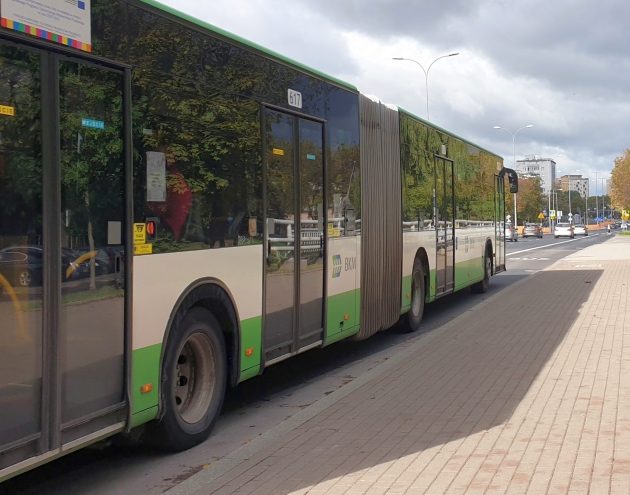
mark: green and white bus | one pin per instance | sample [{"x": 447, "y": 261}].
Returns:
[{"x": 180, "y": 209}]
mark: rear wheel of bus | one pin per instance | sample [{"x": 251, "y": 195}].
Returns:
[{"x": 413, "y": 319}]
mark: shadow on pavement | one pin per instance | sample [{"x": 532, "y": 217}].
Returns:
[
  {"x": 467, "y": 379},
  {"x": 430, "y": 388}
]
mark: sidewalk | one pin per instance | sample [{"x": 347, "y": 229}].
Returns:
[{"x": 529, "y": 392}]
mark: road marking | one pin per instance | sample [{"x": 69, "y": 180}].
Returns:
[
  {"x": 530, "y": 259},
  {"x": 550, "y": 245}
]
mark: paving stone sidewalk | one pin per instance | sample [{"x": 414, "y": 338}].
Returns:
[{"x": 528, "y": 392}]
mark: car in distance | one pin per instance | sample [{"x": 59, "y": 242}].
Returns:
[
  {"x": 563, "y": 229},
  {"x": 511, "y": 233},
  {"x": 580, "y": 229},
  {"x": 532, "y": 230}
]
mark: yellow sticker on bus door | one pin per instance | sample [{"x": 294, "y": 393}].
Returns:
[{"x": 7, "y": 110}]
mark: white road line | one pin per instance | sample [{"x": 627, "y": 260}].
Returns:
[{"x": 550, "y": 245}]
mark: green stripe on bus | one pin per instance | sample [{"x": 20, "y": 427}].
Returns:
[
  {"x": 145, "y": 366},
  {"x": 343, "y": 315},
  {"x": 251, "y": 346}
]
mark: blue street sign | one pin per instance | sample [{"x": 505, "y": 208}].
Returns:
[{"x": 93, "y": 124}]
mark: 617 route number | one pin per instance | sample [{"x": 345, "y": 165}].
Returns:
[{"x": 295, "y": 98}]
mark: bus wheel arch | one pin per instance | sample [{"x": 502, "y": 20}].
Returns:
[
  {"x": 199, "y": 360},
  {"x": 419, "y": 290}
]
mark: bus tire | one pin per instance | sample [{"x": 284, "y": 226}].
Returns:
[
  {"x": 483, "y": 286},
  {"x": 413, "y": 319},
  {"x": 194, "y": 380}
]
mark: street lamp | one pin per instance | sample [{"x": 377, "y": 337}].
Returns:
[
  {"x": 426, "y": 72},
  {"x": 513, "y": 134},
  {"x": 603, "y": 179}
]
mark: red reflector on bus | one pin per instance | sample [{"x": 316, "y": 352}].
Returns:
[{"x": 249, "y": 352}]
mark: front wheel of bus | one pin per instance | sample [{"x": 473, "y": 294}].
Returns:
[
  {"x": 414, "y": 316},
  {"x": 194, "y": 381},
  {"x": 483, "y": 286}
]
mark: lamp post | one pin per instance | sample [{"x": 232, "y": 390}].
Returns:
[
  {"x": 426, "y": 72},
  {"x": 596, "y": 202},
  {"x": 513, "y": 134},
  {"x": 603, "y": 179}
]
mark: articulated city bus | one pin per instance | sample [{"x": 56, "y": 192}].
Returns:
[{"x": 180, "y": 209}]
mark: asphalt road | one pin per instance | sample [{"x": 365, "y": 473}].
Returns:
[{"x": 261, "y": 403}]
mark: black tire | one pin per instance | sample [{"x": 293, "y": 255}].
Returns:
[
  {"x": 194, "y": 380},
  {"x": 483, "y": 286},
  {"x": 413, "y": 318}
]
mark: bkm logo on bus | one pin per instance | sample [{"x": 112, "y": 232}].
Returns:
[{"x": 349, "y": 265}]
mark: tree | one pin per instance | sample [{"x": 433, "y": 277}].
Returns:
[
  {"x": 620, "y": 182},
  {"x": 530, "y": 200}
]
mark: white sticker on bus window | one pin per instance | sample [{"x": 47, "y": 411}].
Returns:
[
  {"x": 310, "y": 156},
  {"x": 295, "y": 98},
  {"x": 114, "y": 233},
  {"x": 156, "y": 176}
]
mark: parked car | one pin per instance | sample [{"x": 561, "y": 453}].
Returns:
[
  {"x": 563, "y": 229},
  {"x": 580, "y": 229},
  {"x": 533, "y": 230},
  {"x": 511, "y": 234},
  {"x": 23, "y": 266}
]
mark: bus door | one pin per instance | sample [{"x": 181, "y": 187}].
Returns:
[
  {"x": 62, "y": 224},
  {"x": 445, "y": 225},
  {"x": 294, "y": 234}
]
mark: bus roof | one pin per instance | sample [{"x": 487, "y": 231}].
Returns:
[
  {"x": 242, "y": 41},
  {"x": 430, "y": 124}
]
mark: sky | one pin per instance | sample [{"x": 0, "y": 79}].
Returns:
[{"x": 561, "y": 65}]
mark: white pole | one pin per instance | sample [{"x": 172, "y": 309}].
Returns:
[
  {"x": 596, "y": 202},
  {"x": 513, "y": 134}
]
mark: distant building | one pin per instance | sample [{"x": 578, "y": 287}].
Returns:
[
  {"x": 545, "y": 168},
  {"x": 575, "y": 183}
]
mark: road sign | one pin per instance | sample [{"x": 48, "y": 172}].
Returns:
[
  {"x": 541, "y": 215},
  {"x": 559, "y": 213}
]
